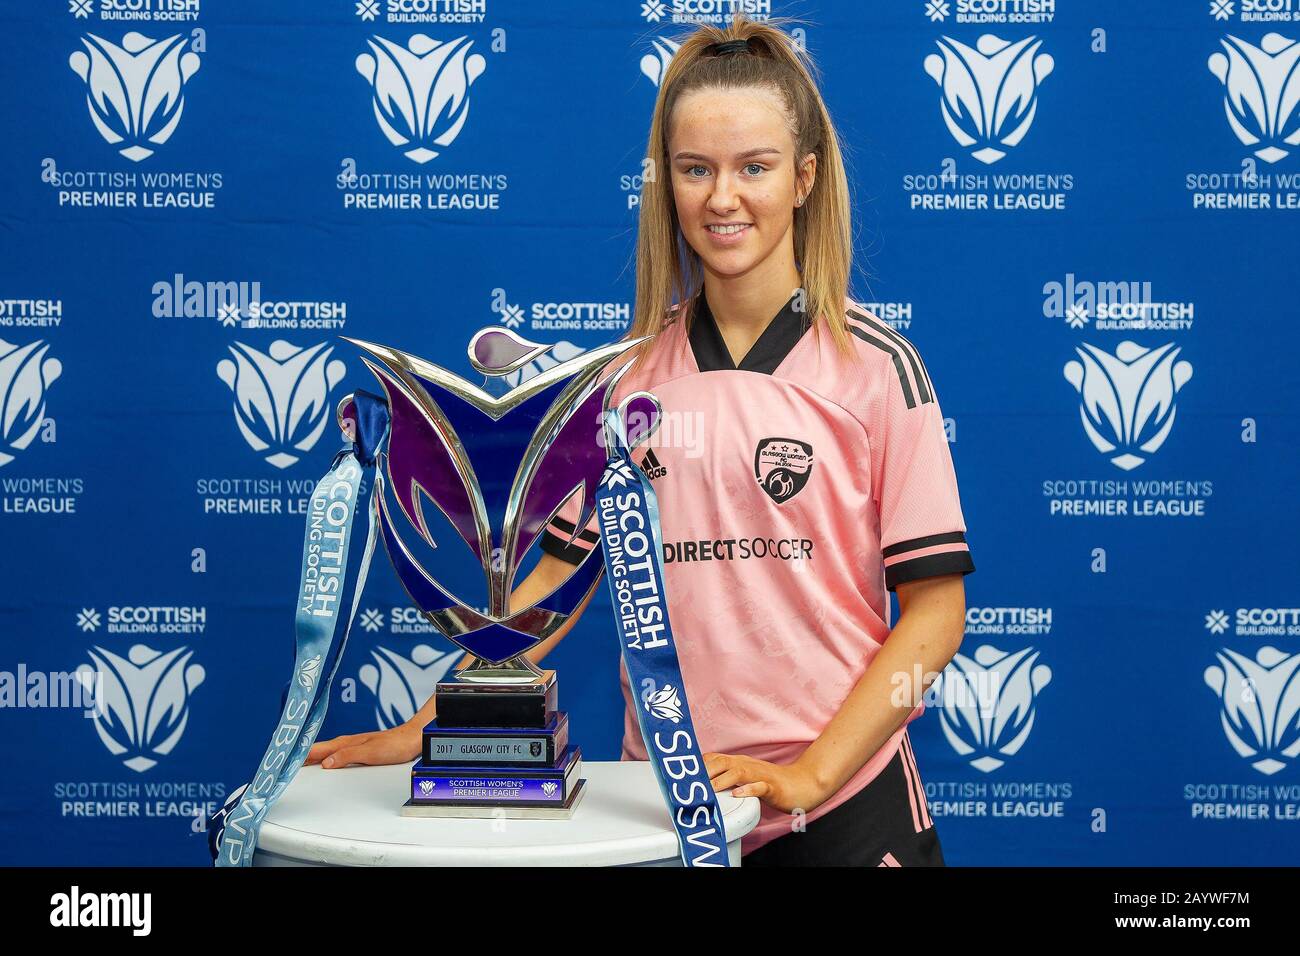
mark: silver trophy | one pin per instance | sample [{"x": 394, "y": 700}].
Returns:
[{"x": 471, "y": 476}]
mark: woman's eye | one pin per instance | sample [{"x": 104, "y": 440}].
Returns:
[
  {"x": 757, "y": 167},
  {"x": 690, "y": 170}
]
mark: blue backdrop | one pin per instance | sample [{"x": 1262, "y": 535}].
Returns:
[{"x": 1083, "y": 214}]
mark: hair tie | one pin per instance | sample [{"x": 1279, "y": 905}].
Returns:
[{"x": 725, "y": 47}]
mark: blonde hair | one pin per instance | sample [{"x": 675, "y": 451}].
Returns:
[{"x": 668, "y": 270}]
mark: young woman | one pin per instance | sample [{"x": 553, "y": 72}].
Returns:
[{"x": 802, "y": 471}]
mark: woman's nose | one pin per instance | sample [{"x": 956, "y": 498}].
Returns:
[{"x": 723, "y": 199}]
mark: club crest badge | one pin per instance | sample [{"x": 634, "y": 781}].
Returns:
[{"x": 782, "y": 466}]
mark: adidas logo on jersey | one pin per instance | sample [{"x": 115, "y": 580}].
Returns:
[{"x": 650, "y": 465}]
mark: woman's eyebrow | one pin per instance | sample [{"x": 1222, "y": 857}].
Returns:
[{"x": 760, "y": 151}]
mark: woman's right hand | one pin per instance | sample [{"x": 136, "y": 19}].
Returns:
[{"x": 401, "y": 744}]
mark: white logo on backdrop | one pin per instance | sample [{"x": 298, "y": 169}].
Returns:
[
  {"x": 655, "y": 64},
  {"x": 135, "y": 92},
  {"x": 936, "y": 10},
  {"x": 1216, "y": 622},
  {"x": 1260, "y": 701},
  {"x": 401, "y": 685},
  {"x": 1261, "y": 92},
  {"x": 1127, "y": 398},
  {"x": 145, "y": 701},
  {"x": 990, "y": 92},
  {"x": 25, "y": 374},
  {"x": 281, "y": 396},
  {"x": 421, "y": 91},
  {"x": 512, "y": 315},
  {"x": 988, "y": 703}
]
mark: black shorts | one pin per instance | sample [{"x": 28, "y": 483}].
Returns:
[{"x": 886, "y": 823}]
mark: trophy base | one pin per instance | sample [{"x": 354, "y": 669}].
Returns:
[
  {"x": 525, "y": 703},
  {"x": 482, "y": 812},
  {"x": 497, "y": 749}
]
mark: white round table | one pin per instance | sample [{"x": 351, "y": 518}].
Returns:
[{"x": 350, "y": 817}]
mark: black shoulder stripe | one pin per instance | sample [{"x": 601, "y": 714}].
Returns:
[
  {"x": 919, "y": 371},
  {"x": 885, "y": 346},
  {"x": 927, "y": 387},
  {"x": 918, "y": 366}
]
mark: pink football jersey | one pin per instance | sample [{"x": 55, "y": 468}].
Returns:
[{"x": 794, "y": 490}]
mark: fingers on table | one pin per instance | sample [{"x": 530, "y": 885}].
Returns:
[{"x": 355, "y": 748}]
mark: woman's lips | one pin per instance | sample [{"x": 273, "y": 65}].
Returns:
[{"x": 729, "y": 239}]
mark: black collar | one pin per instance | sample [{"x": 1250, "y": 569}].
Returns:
[{"x": 771, "y": 348}]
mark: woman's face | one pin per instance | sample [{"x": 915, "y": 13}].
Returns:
[{"x": 734, "y": 176}]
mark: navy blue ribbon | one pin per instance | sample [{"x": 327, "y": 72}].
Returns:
[{"x": 628, "y": 514}]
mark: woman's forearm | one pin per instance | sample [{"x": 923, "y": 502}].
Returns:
[{"x": 927, "y": 634}]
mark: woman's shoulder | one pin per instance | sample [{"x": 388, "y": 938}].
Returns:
[
  {"x": 893, "y": 369},
  {"x": 877, "y": 337},
  {"x": 655, "y": 359}
]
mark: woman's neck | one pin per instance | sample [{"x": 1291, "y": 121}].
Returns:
[{"x": 744, "y": 306}]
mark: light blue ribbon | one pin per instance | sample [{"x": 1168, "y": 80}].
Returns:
[
  {"x": 628, "y": 514},
  {"x": 319, "y": 647}
]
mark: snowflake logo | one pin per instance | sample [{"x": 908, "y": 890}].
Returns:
[
  {"x": 936, "y": 10},
  {"x": 653, "y": 11},
  {"x": 88, "y": 619},
  {"x": 79, "y": 8},
  {"x": 228, "y": 314},
  {"x": 1221, "y": 9},
  {"x": 1076, "y": 316},
  {"x": 618, "y": 475},
  {"x": 512, "y": 316},
  {"x": 1216, "y": 622},
  {"x": 367, "y": 9},
  {"x": 371, "y": 619}
]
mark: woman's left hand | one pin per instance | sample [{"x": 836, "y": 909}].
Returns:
[{"x": 785, "y": 787}]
